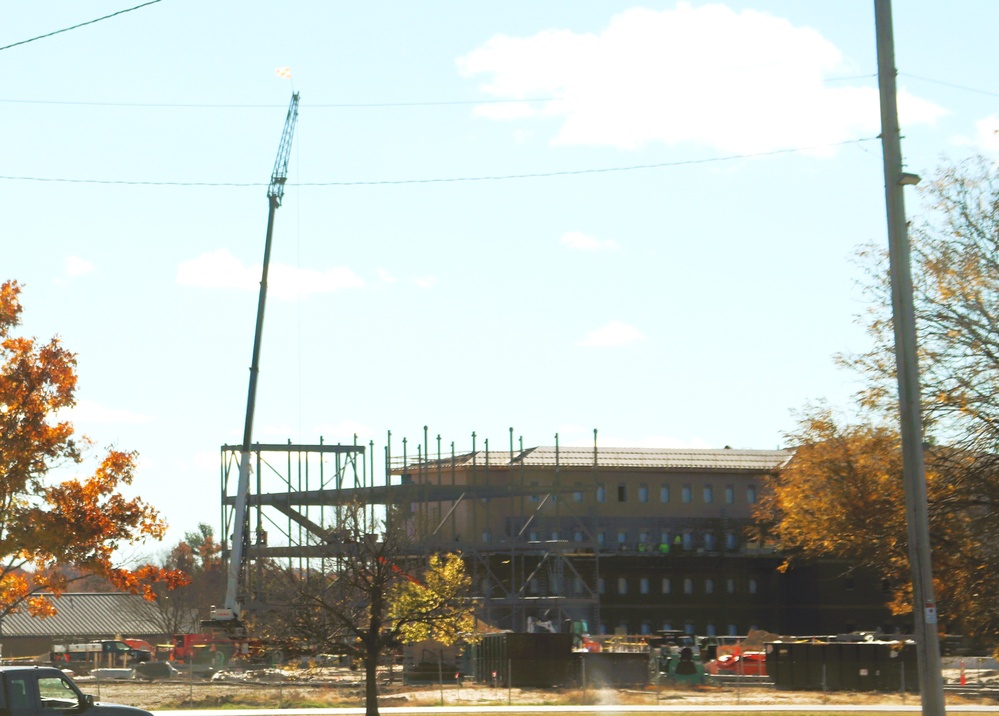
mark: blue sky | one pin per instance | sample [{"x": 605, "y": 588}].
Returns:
[{"x": 694, "y": 303}]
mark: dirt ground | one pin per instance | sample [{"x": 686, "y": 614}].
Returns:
[{"x": 302, "y": 689}]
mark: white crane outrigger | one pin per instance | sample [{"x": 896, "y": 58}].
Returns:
[{"x": 230, "y": 612}]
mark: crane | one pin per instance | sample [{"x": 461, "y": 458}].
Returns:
[{"x": 240, "y": 537}]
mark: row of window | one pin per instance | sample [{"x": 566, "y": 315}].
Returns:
[
  {"x": 666, "y": 586},
  {"x": 645, "y": 542},
  {"x": 665, "y": 494},
  {"x": 709, "y": 629}
]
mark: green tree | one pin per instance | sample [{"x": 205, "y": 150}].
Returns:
[
  {"x": 376, "y": 593},
  {"x": 54, "y": 532}
]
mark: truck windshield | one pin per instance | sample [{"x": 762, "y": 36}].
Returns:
[{"x": 57, "y": 693}]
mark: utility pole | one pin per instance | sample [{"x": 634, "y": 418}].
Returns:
[{"x": 903, "y": 316}]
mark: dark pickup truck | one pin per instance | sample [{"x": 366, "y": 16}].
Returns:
[{"x": 45, "y": 691}]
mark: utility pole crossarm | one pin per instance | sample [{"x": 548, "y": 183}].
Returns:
[{"x": 280, "y": 174}]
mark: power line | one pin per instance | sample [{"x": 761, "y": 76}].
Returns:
[
  {"x": 82, "y": 24},
  {"x": 445, "y": 180},
  {"x": 950, "y": 84},
  {"x": 335, "y": 105},
  {"x": 326, "y": 105}
]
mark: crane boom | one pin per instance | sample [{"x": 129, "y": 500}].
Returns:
[{"x": 240, "y": 535}]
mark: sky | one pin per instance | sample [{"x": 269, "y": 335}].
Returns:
[{"x": 555, "y": 217}]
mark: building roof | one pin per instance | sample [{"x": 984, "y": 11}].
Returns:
[
  {"x": 88, "y": 615},
  {"x": 633, "y": 458}
]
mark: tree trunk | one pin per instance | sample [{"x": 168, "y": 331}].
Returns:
[{"x": 371, "y": 683}]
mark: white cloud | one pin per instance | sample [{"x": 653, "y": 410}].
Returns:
[
  {"x": 75, "y": 266},
  {"x": 740, "y": 82},
  {"x": 614, "y": 333},
  {"x": 220, "y": 269},
  {"x": 386, "y": 276},
  {"x": 89, "y": 412},
  {"x": 425, "y": 281},
  {"x": 583, "y": 242}
]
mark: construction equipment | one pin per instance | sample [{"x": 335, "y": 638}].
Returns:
[{"x": 228, "y": 616}]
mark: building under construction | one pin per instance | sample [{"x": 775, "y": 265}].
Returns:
[{"x": 615, "y": 540}]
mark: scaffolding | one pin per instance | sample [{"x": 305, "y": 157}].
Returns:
[{"x": 297, "y": 493}]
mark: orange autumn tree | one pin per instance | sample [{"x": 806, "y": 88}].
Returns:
[
  {"x": 841, "y": 496},
  {"x": 52, "y": 531}
]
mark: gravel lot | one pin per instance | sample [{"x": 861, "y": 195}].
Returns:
[{"x": 271, "y": 688}]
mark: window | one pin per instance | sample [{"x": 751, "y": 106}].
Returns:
[
  {"x": 577, "y": 536},
  {"x": 486, "y": 534},
  {"x": 643, "y": 585},
  {"x": 602, "y": 585},
  {"x": 848, "y": 584},
  {"x": 710, "y": 630},
  {"x": 688, "y": 586},
  {"x": 577, "y": 585},
  {"x": 554, "y": 534},
  {"x": 622, "y": 539},
  {"x": 667, "y": 585},
  {"x": 622, "y": 585},
  {"x": 729, "y": 494},
  {"x": 709, "y": 541},
  {"x": 664, "y": 537},
  {"x": 19, "y": 695},
  {"x": 643, "y": 493},
  {"x": 532, "y": 536},
  {"x": 732, "y": 630},
  {"x": 709, "y": 586},
  {"x": 689, "y": 628},
  {"x": 57, "y": 694},
  {"x": 601, "y": 493},
  {"x": 664, "y": 493},
  {"x": 622, "y": 493},
  {"x": 577, "y": 496},
  {"x": 709, "y": 494},
  {"x": 730, "y": 585},
  {"x": 601, "y": 538},
  {"x": 535, "y": 497},
  {"x": 686, "y": 493},
  {"x": 667, "y": 626},
  {"x": 751, "y": 494},
  {"x": 752, "y": 586},
  {"x": 730, "y": 540},
  {"x": 646, "y": 627},
  {"x": 533, "y": 585},
  {"x": 688, "y": 539},
  {"x": 487, "y": 586}
]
